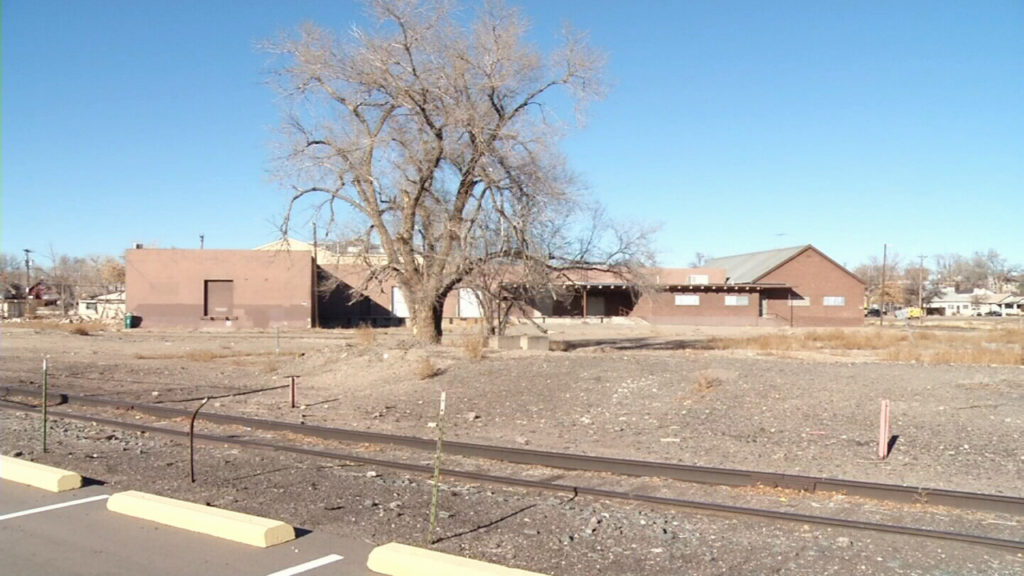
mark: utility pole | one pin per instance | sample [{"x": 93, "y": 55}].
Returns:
[
  {"x": 202, "y": 239},
  {"x": 881, "y": 292},
  {"x": 920, "y": 288},
  {"x": 28, "y": 271}
]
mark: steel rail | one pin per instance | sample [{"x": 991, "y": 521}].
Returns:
[
  {"x": 999, "y": 543},
  {"x": 581, "y": 462}
]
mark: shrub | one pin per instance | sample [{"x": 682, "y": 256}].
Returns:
[
  {"x": 425, "y": 369},
  {"x": 365, "y": 336},
  {"x": 558, "y": 346},
  {"x": 706, "y": 381},
  {"x": 473, "y": 346}
]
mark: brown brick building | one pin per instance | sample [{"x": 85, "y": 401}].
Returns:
[
  {"x": 206, "y": 288},
  {"x": 798, "y": 286}
]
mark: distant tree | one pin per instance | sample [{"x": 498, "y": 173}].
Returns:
[
  {"x": 915, "y": 279},
  {"x": 439, "y": 139},
  {"x": 12, "y": 276},
  {"x": 871, "y": 274},
  {"x": 110, "y": 273},
  {"x": 699, "y": 259}
]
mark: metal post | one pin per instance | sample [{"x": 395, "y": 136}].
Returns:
[
  {"x": 881, "y": 292},
  {"x": 191, "y": 443},
  {"x": 920, "y": 289},
  {"x": 45, "y": 378},
  {"x": 883, "y": 431},
  {"x": 28, "y": 271},
  {"x": 277, "y": 340},
  {"x": 293, "y": 390},
  {"x": 437, "y": 471}
]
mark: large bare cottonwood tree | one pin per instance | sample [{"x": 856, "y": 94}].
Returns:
[{"x": 437, "y": 130}]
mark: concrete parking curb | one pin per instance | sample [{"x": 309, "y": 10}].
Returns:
[
  {"x": 38, "y": 475},
  {"x": 396, "y": 559},
  {"x": 235, "y": 526}
]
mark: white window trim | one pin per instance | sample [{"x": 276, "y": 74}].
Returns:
[
  {"x": 699, "y": 279},
  {"x": 737, "y": 300},
  {"x": 687, "y": 299},
  {"x": 833, "y": 301},
  {"x": 795, "y": 302}
]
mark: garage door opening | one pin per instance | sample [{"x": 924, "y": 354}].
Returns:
[{"x": 219, "y": 298}]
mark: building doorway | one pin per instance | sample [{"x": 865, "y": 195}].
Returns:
[{"x": 219, "y": 298}]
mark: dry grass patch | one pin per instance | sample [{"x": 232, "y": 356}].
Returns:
[
  {"x": 474, "y": 346},
  {"x": 365, "y": 336},
  {"x": 199, "y": 355},
  {"x": 706, "y": 381},
  {"x": 425, "y": 369},
  {"x": 558, "y": 346},
  {"x": 978, "y": 353},
  {"x": 836, "y": 339},
  {"x": 994, "y": 347},
  {"x": 84, "y": 328}
]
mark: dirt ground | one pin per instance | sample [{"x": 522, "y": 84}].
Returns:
[{"x": 620, "y": 390}]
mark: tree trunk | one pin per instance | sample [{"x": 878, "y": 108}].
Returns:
[{"x": 425, "y": 317}]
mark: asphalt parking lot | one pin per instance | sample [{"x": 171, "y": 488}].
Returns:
[{"x": 74, "y": 533}]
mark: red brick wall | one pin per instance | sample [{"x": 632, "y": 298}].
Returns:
[
  {"x": 660, "y": 308},
  {"x": 167, "y": 287},
  {"x": 814, "y": 276}
]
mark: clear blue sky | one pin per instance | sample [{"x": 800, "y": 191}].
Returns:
[{"x": 738, "y": 126}]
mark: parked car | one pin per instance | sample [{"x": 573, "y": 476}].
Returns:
[
  {"x": 873, "y": 313},
  {"x": 994, "y": 313}
]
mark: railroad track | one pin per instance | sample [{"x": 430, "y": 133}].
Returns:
[{"x": 619, "y": 466}]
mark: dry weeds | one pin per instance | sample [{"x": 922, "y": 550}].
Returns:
[
  {"x": 199, "y": 355},
  {"x": 706, "y": 381},
  {"x": 474, "y": 346},
  {"x": 84, "y": 328},
  {"x": 365, "y": 336},
  {"x": 78, "y": 328},
  {"x": 425, "y": 369},
  {"x": 558, "y": 346},
  {"x": 1004, "y": 346}
]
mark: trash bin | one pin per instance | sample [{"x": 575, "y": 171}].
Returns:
[{"x": 128, "y": 320}]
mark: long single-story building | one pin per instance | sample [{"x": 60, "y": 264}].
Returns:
[
  {"x": 283, "y": 285},
  {"x": 798, "y": 286}
]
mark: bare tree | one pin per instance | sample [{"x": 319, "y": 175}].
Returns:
[
  {"x": 440, "y": 139},
  {"x": 12, "y": 275},
  {"x": 872, "y": 274},
  {"x": 699, "y": 259},
  {"x": 981, "y": 270}
]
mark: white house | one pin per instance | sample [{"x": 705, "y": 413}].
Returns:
[
  {"x": 975, "y": 303},
  {"x": 106, "y": 307}
]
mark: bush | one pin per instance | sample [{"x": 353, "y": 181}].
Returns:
[
  {"x": 474, "y": 346},
  {"x": 365, "y": 336},
  {"x": 425, "y": 369}
]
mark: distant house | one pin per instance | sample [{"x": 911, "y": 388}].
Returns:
[
  {"x": 282, "y": 284},
  {"x": 977, "y": 302},
  {"x": 106, "y": 307},
  {"x": 42, "y": 292}
]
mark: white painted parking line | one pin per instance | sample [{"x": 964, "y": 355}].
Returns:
[
  {"x": 308, "y": 565},
  {"x": 53, "y": 507}
]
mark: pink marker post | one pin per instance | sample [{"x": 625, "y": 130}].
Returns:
[{"x": 883, "y": 431}]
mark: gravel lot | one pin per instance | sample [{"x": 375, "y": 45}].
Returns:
[{"x": 637, "y": 392}]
